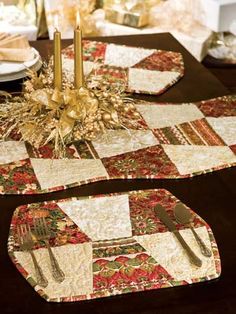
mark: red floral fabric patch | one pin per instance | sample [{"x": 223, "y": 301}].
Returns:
[
  {"x": 63, "y": 229},
  {"x": 126, "y": 273},
  {"x": 142, "y": 214},
  {"x": 147, "y": 162},
  {"x": 93, "y": 51},
  {"x": 218, "y": 107},
  {"x": 18, "y": 177},
  {"x": 162, "y": 61}
]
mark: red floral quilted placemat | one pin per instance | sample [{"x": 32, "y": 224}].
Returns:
[
  {"x": 171, "y": 141},
  {"x": 139, "y": 70},
  {"x": 111, "y": 244}
]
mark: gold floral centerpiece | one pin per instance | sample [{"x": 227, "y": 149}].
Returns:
[{"x": 51, "y": 110}]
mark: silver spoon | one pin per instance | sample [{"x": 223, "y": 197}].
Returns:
[{"x": 184, "y": 216}]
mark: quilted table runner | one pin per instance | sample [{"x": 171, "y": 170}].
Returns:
[
  {"x": 171, "y": 141},
  {"x": 139, "y": 70},
  {"x": 110, "y": 244}
]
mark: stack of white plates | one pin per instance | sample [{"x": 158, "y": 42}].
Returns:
[{"x": 10, "y": 71}]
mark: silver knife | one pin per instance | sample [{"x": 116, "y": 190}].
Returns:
[{"x": 163, "y": 216}]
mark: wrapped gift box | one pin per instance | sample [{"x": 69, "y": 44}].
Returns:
[
  {"x": 106, "y": 28},
  {"x": 198, "y": 44},
  {"x": 218, "y": 15},
  {"x": 129, "y": 18}
]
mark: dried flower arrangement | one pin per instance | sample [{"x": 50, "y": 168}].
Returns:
[{"x": 43, "y": 114}]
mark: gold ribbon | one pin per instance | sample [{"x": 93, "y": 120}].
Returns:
[
  {"x": 75, "y": 105},
  {"x": 132, "y": 6}
]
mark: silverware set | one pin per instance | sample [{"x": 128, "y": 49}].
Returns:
[
  {"x": 26, "y": 239},
  {"x": 26, "y": 243},
  {"x": 42, "y": 233},
  {"x": 183, "y": 216}
]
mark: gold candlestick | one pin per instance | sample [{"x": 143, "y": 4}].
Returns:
[
  {"x": 57, "y": 63},
  {"x": 78, "y": 55}
]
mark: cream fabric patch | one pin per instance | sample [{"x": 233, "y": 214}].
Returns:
[
  {"x": 161, "y": 116},
  {"x": 168, "y": 252},
  {"x": 115, "y": 142},
  {"x": 57, "y": 172},
  {"x": 122, "y": 56},
  {"x": 77, "y": 267},
  {"x": 189, "y": 159},
  {"x": 102, "y": 218},
  {"x": 12, "y": 151},
  {"x": 225, "y": 127},
  {"x": 68, "y": 67},
  {"x": 150, "y": 81}
]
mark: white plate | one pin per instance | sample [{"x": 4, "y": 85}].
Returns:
[
  {"x": 20, "y": 74},
  {"x": 7, "y": 67}
]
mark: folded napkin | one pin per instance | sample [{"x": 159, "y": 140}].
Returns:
[
  {"x": 15, "y": 48},
  {"x": 3, "y": 36}
]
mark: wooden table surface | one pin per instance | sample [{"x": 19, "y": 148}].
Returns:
[
  {"x": 212, "y": 196},
  {"x": 225, "y": 72}
]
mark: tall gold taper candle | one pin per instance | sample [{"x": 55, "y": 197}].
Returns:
[
  {"x": 57, "y": 63},
  {"x": 78, "y": 54}
]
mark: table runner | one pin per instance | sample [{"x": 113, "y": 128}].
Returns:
[
  {"x": 112, "y": 244},
  {"x": 139, "y": 70},
  {"x": 171, "y": 141}
]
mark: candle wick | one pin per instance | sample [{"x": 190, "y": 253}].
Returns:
[{"x": 56, "y": 29}]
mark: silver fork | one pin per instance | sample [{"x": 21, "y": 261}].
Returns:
[
  {"x": 26, "y": 243},
  {"x": 42, "y": 233}
]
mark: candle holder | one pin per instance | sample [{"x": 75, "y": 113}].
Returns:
[{"x": 44, "y": 114}]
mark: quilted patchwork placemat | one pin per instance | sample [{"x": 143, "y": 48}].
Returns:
[
  {"x": 171, "y": 141},
  {"x": 139, "y": 70},
  {"x": 112, "y": 244}
]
